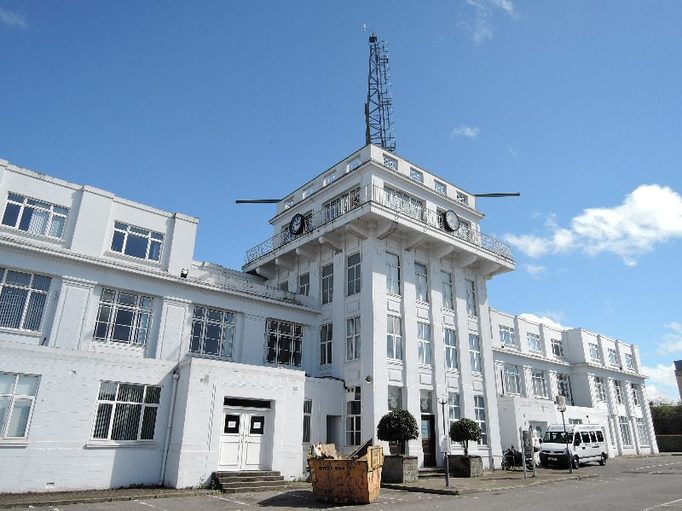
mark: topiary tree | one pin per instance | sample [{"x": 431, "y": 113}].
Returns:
[
  {"x": 398, "y": 426},
  {"x": 464, "y": 430}
]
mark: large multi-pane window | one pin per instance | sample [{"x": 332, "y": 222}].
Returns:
[
  {"x": 34, "y": 216},
  {"x": 479, "y": 417},
  {"x": 17, "y": 397},
  {"x": 563, "y": 382},
  {"x": 326, "y": 336},
  {"x": 600, "y": 388},
  {"x": 22, "y": 299},
  {"x": 629, "y": 362},
  {"x": 327, "y": 284},
  {"x": 534, "y": 343},
  {"x": 126, "y": 411},
  {"x": 392, "y": 273},
  {"x": 403, "y": 203},
  {"x": 454, "y": 407},
  {"x": 136, "y": 242},
  {"x": 642, "y": 433},
  {"x": 284, "y": 342},
  {"x": 595, "y": 355},
  {"x": 421, "y": 282},
  {"x": 424, "y": 343},
  {"x": 354, "y": 417},
  {"x": 394, "y": 338},
  {"x": 558, "y": 348},
  {"x": 353, "y": 273},
  {"x": 507, "y": 336},
  {"x": 512, "y": 380},
  {"x": 353, "y": 338},
  {"x": 395, "y": 398},
  {"x": 123, "y": 317},
  {"x": 472, "y": 307},
  {"x": 613, "y": 357},
  {"x": 446, "y": 284},
  {"x": 304, "y": 284},
  {"x": 212, "y": 332},
  {"x": 634, "y": 392},
  {"x": 618, "y": 389},
  {"x": 307, "y": 417},
  {"x": 625, "y": 435},
  {"x": 341, "y": 205},
  {"x": 475, "y": 353},
  {"x": 539, "y": 383},
  {"x": 450, "y": 341}
]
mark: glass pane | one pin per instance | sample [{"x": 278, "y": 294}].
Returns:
[
  {"x": 141, "y": 232},
  {"x": 153, "y": 394},
  {"x": 117, "y": 241},
  {"x": 199, "y": 312},
  {"x": 4, "y": 412},
  {"x": 136, "y": 246},
  {"x": 126, "y": 422},
  {"x": 214, "y": 315},
  {"x": 19, "y": 418},
  {"x": 41, "y": 283},
  {"x": 34, "y": 311},
  {"x": 102, "y": 421},
  {"x": 11, "y": 215},
  {"x": 127, "y": 298},
  {"x": 61, "y": 210},
  {"x": 154, "y": 250},
  {"x": 131, "y": 393},
  {"x": 6, "y": 383},
  {"x": 38, "y": 223},
  {"x": 18, "y": 278},
  {"x": 40, "y": 204},
  {"x": 107, "y": 391},
  {"x": 121, "y": 225},
  {"x": 148, "y": 423},
  {"x": 124, "y": 317},
  {"x": 16, "y": 197},
  {"x": 57, "y": 226},
  {"x": 12, "y": 301},
  {"x": 27, "y": 385}
]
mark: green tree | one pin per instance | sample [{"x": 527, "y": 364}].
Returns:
[
  {"x": 398, "y": 426},
  {"x": 464, "y": 430}
]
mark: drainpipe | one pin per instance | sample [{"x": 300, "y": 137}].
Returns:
[{"x": 169, "y": 427}]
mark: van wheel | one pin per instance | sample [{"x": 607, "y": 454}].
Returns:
[
  {"x": 576, "y": 462},
  {"x": 602, "y": 460}
]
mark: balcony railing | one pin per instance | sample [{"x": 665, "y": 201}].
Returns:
[{"x": 391, "y": 199}]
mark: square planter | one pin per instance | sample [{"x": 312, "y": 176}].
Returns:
[
  {"x": 465, "y": 466},
  {"x": 400, "y": 469}
]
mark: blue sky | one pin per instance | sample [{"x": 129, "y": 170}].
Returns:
[{"x": 576, "y": 105}]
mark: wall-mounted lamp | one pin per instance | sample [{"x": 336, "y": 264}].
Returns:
[
  {"x": 184, "y": 272},
  {"x": 368, "y": 379}
]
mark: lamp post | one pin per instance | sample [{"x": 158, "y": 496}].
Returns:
[
  {"x": 561, "y": 406},
  {"x": 442, "y": 402}
]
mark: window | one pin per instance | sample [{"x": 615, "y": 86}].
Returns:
[
  {"x": 391, "y": 163},
  {"x": 534, "y": 343},
  {"x": 575, "y": 421},
  {"x": 625, "y": 431},
  {"x": 284, "y": 342},
  {"x": 353, "y": 417},
  {"x": 34, "y": 216},
  {"x": 22, "y": 299},
  {"x": 600, "y": 388},
  {"x": 392, "y": 274},
  {"x": 136, "y": 242},
  {"x": 17, "y": 395},
  {"x": 421, "y": 282},
  {"x": 634, "y": 392},
  {"x": 123, "y": 317},
  {"x": 424, "y": 343},
  {"x": 512, "y": 381},
  {"x": 454, "y": 407},
  {"x": 563, "y": 382},
  {"x": 558, "y": 348},
  {"x": 472, "y": 309},
  {"x": 329, "y": 179},
  {"x": 212, "y": 332},
  {"x": 326, "y": 336},
  {"x": 126, "y": 411},
  {"x": 353, "y": 338},
  {"x": 475, "y": 353},
  {"x": 395, "y": 398},
  {"x": 353, "y": 164},
  {"x": 462, "y": 198},
  {"x": 618, "y": 389},
  {"x": 629, "y": 362},
  {"x": 479, "y": 414},
  {"x": 403, "y": 203},
  {"x": 308, "y": 191},
  {"x": 642, "y": 432},
  {"x": 284, "y": 285},
  {"x": 307, "y": 416},
  {"x": 353, "y": 273},
  {"x": 341, "y": 205},
  {"x": 613, "y": 357},
  {"x": 288, "y": 203},
  {"x": 446, "y": 283},
  {"x": 327, "y": 283},
  {"x": 539, "y": 383},
  {"x": 440, "y": 187},
  {"x": 450, "y": 341},
  {"x": 595, "y": 356},
  {"x": 304, "y": 284},
  {"x": 394, "y": 338},
  {"x": 507, "y": 336},
  {"x": 416, "y": 175}
]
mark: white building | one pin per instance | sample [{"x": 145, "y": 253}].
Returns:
[{"x": 127, "y": 362}]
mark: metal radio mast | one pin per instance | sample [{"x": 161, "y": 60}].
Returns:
[{"x": 378, "y": 108}]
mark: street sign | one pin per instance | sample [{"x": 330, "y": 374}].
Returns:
[{"x": 561, "y": 403}]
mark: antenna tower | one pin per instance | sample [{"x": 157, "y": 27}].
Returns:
[{"x": 378, "y": 108}]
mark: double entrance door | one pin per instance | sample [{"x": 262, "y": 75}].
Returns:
[{"x": 244, "y": 442}]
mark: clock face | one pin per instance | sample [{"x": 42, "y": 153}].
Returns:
[
  {"x": 296, "y": 224},
  {"x": 451, "y": 220}
]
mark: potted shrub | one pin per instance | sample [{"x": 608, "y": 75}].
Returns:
[
  {"x": 463, "y": 431},
  {"x": 397, "y": 427}
]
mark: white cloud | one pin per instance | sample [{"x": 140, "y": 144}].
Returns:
[
  {"x": 535, "y": 269},
  {"x": 550, "y": 319},
  {"x": 671, "y": 343},
  {"x": 649, "y": 215},
  {"x": 465, "y": 131},
  {"x": 661, "y": 382},
  {"x": 481, "y": 12},
  {"x": 12, "y": 19}
]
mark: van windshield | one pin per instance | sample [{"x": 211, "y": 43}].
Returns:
[{"x": 557, "y": 437}]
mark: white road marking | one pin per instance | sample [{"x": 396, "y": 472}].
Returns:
[
  {"x": 149, "y": 505},
  {"x": 662, "y": 505},
  {"x": 230, "y": 500}
]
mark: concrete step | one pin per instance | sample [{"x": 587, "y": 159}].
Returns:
[
  {"x": 248, "y": 473},
  {"x": 248, "y": 479},
  {"x": 426, "y": 473},
  {"x": 255, "y": 489},
  {"x": 256, "y": 480}
]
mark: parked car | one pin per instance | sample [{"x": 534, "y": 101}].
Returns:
[{"x": 586, "y": 442}]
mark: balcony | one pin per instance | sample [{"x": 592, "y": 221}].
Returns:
[{"x": 388, "y": 199}]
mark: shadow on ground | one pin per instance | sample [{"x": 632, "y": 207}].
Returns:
[{"x": 302, "y": 499}]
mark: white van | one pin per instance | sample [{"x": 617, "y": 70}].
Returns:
[{"x": 586, "y": 442}]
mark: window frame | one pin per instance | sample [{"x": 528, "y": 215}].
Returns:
[
  {"x": 532, "y": 345},
  {"x": 450, "y": 343},
  {"x": 227, "y": 328},
  {"x": 12, "y": 397},
  {"x": 353, "y": 338},
  {"x": 512, "y": 379},
  {"x": 613, "y": 357},
  {"x": 629, "y": 362},
  {"x": 307, "y": 420},
  {"x": 625, "y": 433},
  {"x": 421, "y": 282},
  {"x": 472, "y": 306},
  {"x": 26, "y": 203},
  {"x": 152, "y": 238},
  {"x": 114, "y": 403},
  {"x": 354, "y": 416},
  {"x": 454, "y": 407},
  {"x": 600, "y": 388},
  {"x": 392, "y": 274},
  {"x": 563, "y": 382},
  {"x": 327, "y": 283},
  {"x": 508, "y": 336},
  {"x": 394, "y": 340},
  {"x": 424, "y": 347},
  {"x": 475, "y": 360},
  {"x": 304, "y": 284},
  {"x": 618, "y": 392},
  {"x": 326, "y": 343},
  {"x": 540, "y": 386},
  {"x": 595, "y": 353},
  {"x": 392, "y": 398},
  {"x": 440, "y": 187},
  {"x": 447, "y": 290},
  {"x": 481, "y": 418},
  {"x": 37, "y": 288},
  {"x": 353, "y": 274},
  {"x": 558, "y": 348},
  {"x": 137, "y": 310},
  {"x": 296, "y": 336},
  {"x": 416, "y": 175}
]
